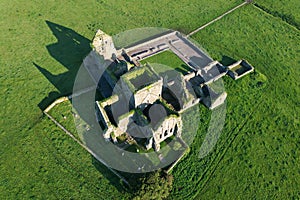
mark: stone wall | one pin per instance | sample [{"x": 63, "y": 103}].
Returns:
[
  {"x": 171, "y": 125},
  {"x": 104, "y": 45},
  {"x": 149, "y": 94},
  {"x": 103, "y": 118},
  {"x": 239, "y": 69}
]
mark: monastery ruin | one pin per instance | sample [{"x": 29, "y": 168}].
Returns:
[{"x": 143, "y": 107}]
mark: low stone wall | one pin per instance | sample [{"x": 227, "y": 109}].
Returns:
[
  {"x": 57, "y": 101},
  {"x": 245, "y": 67}
]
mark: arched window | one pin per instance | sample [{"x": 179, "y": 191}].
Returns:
[{"x": 175, "y": 129}]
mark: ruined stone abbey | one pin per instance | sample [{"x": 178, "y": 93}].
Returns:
[{"x": 143, "y": 107}]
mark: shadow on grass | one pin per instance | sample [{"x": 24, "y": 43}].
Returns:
[
  {"x": 113, "y": 179},
  {"x": 183, "y": 70},
  {"x": 70, "y": 49},
  {"x": 226, "y": 60},
  {"x": 133, "y": 179}
]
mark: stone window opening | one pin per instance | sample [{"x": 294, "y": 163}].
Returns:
[
  {"x": 166, "y": 133},
  {"x": 175, "y": 129}
]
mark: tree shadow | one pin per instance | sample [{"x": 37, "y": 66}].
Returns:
[
  {"x": 226, "y": 60},
  {"x": 69, "y": 50}
]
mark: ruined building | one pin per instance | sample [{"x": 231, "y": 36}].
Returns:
[{"x": 140, "y": 105}]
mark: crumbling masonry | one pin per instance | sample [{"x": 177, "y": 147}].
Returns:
[{"x": 141, "y": 104}]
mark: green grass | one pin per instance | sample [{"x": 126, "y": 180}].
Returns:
[
  {"x": 39, "y": 61},
  {"x": 257, "y": 155},
  {"x": 167, "y": 60},
  {"x": 242, "y": 95},
  {"x": 261, "y": 161},
  {"x": 288, "y": 10},
  {"x": 64, "y": 115}
]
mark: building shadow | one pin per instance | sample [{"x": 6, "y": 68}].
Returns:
[
  {"x": 69, "y": 50},
  {"x": 226, "y": 60},
  {"x": 113, "y": 179},
  {"x": 133, "y": 179}
]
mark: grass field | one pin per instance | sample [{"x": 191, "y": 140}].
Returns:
[
  {"x": 287, "y": 10},
  {"x": 263, "y": 160},
  {"x": 168, "y": 61},
  {"x": 42, "y": 46}
]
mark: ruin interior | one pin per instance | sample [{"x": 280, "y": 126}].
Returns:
[{"x": 139, "y": 105}]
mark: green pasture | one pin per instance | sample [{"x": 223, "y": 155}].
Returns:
[
  {"x": 287, "y": 10},
  {"x": 263, "y": 160},
  {"x": 42, "y": 45}
]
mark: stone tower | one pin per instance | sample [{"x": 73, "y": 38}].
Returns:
[{"x": 104, "y": 45}]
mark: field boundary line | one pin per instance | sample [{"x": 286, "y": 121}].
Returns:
[
  {"x": 85, "y": 147},
  {"x": 265, "y": 10},
  {"x": 57, "y": 101},
  {"x": 80, "y": 92},
  {"x": 216, "y": 19},
  {"x": 220, "y": 157},
  {"x": 184, "y": 153},
  {"x": 63, "y": 99}
]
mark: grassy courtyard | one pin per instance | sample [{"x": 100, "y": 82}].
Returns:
[{"x": 167, "y": 60}]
